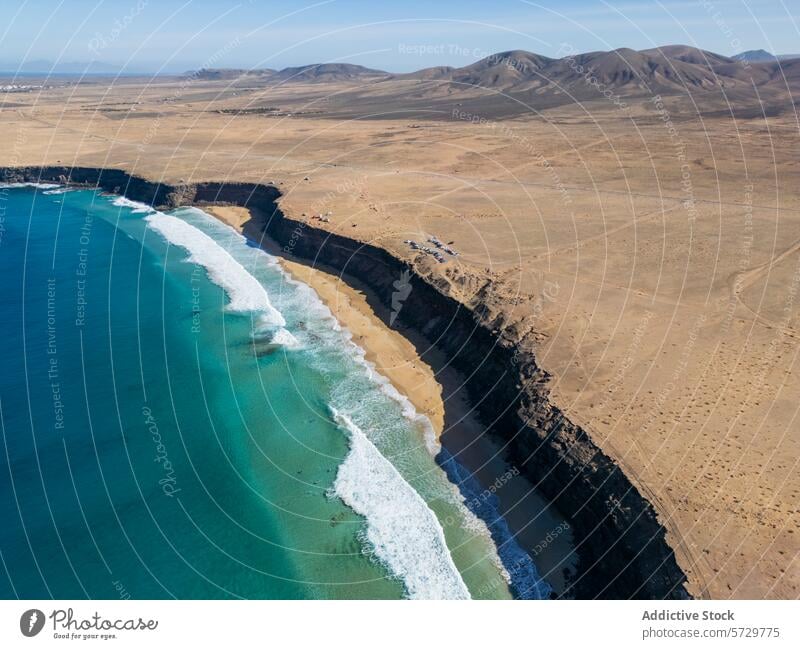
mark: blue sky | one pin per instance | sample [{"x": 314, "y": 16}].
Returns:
[{"x": 146, "y": 35}]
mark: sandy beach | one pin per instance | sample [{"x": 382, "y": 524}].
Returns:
[{"x": 393, "y": 355}]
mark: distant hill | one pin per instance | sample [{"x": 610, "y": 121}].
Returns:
[
  {"x": 753, "y": 56},
  {"x": 629, "y": 70},
  {"x": 761, "y": 56},
  {"x": 321, "y": 72},
  {"x": 689, "y": 54},
  {"x": 214, "y": 74},
  {"x": 315, "y": 72},
  {"x": 501, "y": 70}
]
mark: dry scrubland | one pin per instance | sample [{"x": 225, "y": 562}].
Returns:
[{"x": 671, "y": 330}]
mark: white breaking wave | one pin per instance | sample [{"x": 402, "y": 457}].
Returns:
[
  {"x": 136, "y": 206},
  {"x": 283, "y": 338},
  {"x": 245, "y": 292},
  {"x": 37, "y": 185},
  {"x": 403, "y": 531}
]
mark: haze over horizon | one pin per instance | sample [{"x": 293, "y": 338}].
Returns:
[{"x": 175, "y": 36}]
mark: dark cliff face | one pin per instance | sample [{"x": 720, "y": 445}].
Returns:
[{"x": 621, "y": 546}]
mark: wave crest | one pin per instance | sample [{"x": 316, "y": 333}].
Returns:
[
  {"x": 404, "y": 532},
  {"x": 136, "y": 206},
  {"x": 244, "y": 291}
]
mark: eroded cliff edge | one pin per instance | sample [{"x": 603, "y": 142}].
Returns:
[{"x": 621, "y": 546}]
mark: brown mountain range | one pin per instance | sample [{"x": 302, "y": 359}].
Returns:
[{"x": 517, "y": 81}]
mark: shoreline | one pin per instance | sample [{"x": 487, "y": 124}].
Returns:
[
  {"x": 438, "y": 396},
  {"x": 538, "y": 525},
  {"x": 387, "y": 349},
  {"x": 621, "y": 546}
]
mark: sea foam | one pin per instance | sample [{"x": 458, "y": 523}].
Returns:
[
  {"x": 404, "y": 533},
  {"x": 136, "y": 206},
  {"x": 245, "y": 292},
  {"x": 282, "y": 338},
  {"x": 36, "y": 185}
]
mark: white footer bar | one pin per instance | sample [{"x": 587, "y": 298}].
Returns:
[{"x": 379, "y": 625}]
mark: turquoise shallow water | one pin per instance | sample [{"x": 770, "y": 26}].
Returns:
[{"x": 181, "y": 419}]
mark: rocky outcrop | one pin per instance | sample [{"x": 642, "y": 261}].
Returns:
[{"x": 621, "y": 546}]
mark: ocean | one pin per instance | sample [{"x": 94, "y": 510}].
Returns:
[{"x": 181, "y": 418}]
